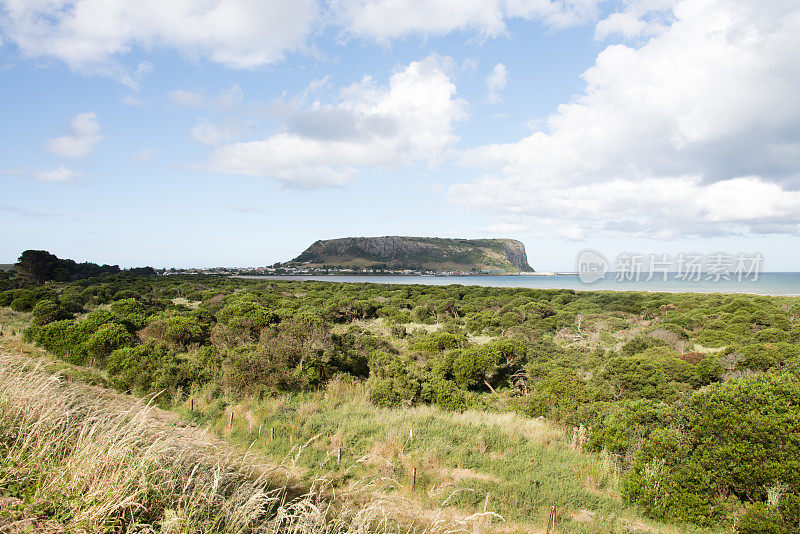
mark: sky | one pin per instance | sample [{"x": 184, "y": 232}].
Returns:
[{"x": 238, "y": 132}]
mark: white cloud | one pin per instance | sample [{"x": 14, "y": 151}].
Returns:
[
  {"x": 81, "y": 138},
  {"x": 664, "y": 207},
  {"x": 496, "y": 82},
  {"x": 324, "y": 144},
  {"x": 639, "y": 18},
  {"x": 98, "y": 36},
  {"x": 212, "y": 134},
  {"x": 697, "y": 131},
  {"x": 91, "y": 35},
  {"x": 383, "y": 20},
  {"x": 230, "y": 97}
]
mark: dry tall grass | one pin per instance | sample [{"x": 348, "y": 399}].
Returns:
[{"x": 85, "y": 464}]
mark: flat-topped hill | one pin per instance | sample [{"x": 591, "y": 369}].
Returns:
[{"x": 419, "y": 253}]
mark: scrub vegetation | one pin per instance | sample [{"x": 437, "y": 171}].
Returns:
[{"x": 624, "y": 410}]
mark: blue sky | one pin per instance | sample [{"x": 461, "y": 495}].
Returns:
[{"x": 237, "y": 132}]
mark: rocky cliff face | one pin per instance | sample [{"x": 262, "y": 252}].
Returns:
[
  {"x": 400, "y": 252},
  {"x": 515, "y": 252}
]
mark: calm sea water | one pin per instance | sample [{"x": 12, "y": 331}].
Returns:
[{"x": 766, "y": 284}]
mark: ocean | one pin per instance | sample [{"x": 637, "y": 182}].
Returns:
[{"x": 765, "y": 284}]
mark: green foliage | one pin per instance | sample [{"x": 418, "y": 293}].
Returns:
[
  {"x": 762, "y": 519},
  {"x": 640, "y": 344},
  {"x": 394, "y": 380},
  {"x": 106, "y": 339},
  {"x": 557, "y": 395},
  {"x": 26, "y": 299},
  {"x": 154, "y": 367},
  {"x": 762, "y": 357},
  {"x": 40, "y": 266},
  {"x": 739, "y": 438},
  {"x": 46, "y": 311},
  {"x": 638, "y": 377},
  {"x": 674, "y": 420}
]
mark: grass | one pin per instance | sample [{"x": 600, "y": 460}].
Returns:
[
  {"x": 73, "y": 461},
  {"x": 512, "y": 465},
  {"x": 325, "y": 461}
]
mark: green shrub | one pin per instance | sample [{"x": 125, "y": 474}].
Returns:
[
  {"x": 762, "y": 519},
  {"x": 473, "y": 366},
  {"x": 637, "y": 377},
  {"x": 8, "y": 296},
  {"x": 46, "y": 311},
  {"x": 393, "y": 380},
  {"x": 771, "y": 335},
  {"x": 766, "y": 356},
  {"x": 106, "y": 339},
  {"x": 708, "y": 370},
  {"x": 26, "y": 299},
  {"x": 739, "y": 437},
  {"x": 152, "y": 368},
  {"x": 445, "y": 394},
  {"x": 557, "y": 395},
  {"x": 640, "y": 344},
  {"x": 63, "y": 339},
  {"x": 129, "y": 312},
  {"x": 440, "y": 341}
]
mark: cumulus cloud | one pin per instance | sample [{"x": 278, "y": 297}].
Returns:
[
  {"x": 83, "y": 134},
  {"x": 91, "y": 36},
  {"x": 638, "y": 18},
  {"x": 211, "y": 134},
  {"x": 323, "y": 144},
  {"x": 496, "y": 83},
  {"x": 695, "y": 132},
  {"x": 382, "y": 20},
  {"x": 95, "y": 37}
]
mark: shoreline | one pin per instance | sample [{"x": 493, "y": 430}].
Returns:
[{"x": 787, "y": 285}]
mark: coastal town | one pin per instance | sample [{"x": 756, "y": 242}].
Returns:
[{"x": 309, "y": 270}]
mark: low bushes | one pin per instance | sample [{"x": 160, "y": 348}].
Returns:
[{"x": 737, "y": 438}]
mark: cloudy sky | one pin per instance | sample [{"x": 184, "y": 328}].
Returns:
[{"x": 237, "y": 132}]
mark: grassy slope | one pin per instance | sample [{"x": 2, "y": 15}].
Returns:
[
  {"x": 523, "y": 465},
  {"x": 82, "y": 459}
]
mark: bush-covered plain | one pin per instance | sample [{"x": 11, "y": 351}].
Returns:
[{"x": 695, "y": 398}]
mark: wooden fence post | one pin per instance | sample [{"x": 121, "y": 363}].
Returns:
[
  {"x": 413, "y": 479},
  {"x": 551, "y": 520},
  {"x": 230, "y": 421}
]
